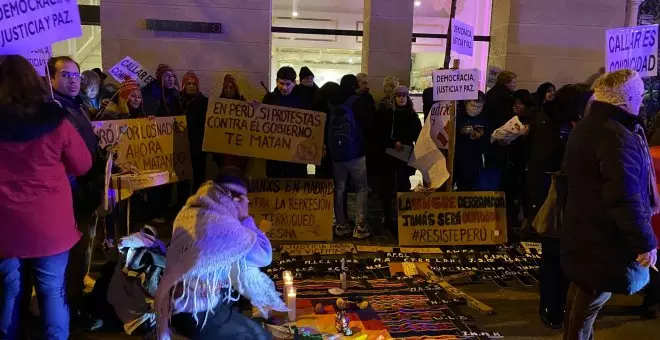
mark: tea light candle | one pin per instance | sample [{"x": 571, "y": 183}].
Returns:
[{"x": 291, "y": 303}]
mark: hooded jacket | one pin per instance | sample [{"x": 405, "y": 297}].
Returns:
[
  {"x": 37, "y": 152},
  {"x": 211, "y": 253},
  {"x": 607, "y": 217}
]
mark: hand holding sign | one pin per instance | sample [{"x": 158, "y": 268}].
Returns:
[{"x": 633, "y": 48}]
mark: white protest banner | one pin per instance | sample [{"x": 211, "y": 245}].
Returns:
[
  {"x": 510, "y": 131},
  {"x": 428, "y": 159},
  {"x": 633, "y": 48},
  {"x": 38, "y": 58},
  {"x": 128, "y": 67},
  {"x": 462, "y": 37},
  {"x": 492, "y": 76},
  {"x": 439, "y": 117},
  {"x": 455, "y": 84},
  {"x": 26, "y": 25}
]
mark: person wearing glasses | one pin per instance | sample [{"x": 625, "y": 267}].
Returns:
[
  {"x": 87, "y": 189},
  {"x": 214, "y": 259}
]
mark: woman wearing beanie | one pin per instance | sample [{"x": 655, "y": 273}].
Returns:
[
  {"x": 230, "y": 90},
  {"x": 213, "y": 259},
  {"x": 397, "y": 126},
  {"x": 306, "y": 86},
  {"x": 40, "y": 148},
  {"x": 194, "y": 105},
  {"x": 161, "y": 97},
  {"x": 607, "y": 241},
  {"x": 127, "y": 103}
]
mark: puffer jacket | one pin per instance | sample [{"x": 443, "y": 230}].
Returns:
[{"x": 607, "y": 218}]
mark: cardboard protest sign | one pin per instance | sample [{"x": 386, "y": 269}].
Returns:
[
  {"x": 492, "y": 76},
  {"x": 39, "y": 58},
  {"x": 298, "y": 209},
  {"x": 320, "y": 248},
  {"x": 455, "y": 84},
  {"x": 28, "y": 25},
  {"x": 150, "y": 144},
  {"x": 457, "y": 218},
  {"x": 462, "y": 38},
  {"x": 633, "y": 48},
  {"x": 265, "y": 131},
  {"x": 128, "y": 67}
]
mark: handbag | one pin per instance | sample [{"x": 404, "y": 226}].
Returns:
[{"x": 548, "y": 221}]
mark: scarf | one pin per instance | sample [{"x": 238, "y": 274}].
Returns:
[{"x": 206, "y": 257}]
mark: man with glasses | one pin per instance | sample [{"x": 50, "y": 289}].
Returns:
[{"x": 87, "y": 190}]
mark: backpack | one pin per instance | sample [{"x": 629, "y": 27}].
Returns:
[{"x": 344, "y": 134}]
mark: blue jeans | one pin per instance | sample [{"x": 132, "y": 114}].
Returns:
[
  {"x": 357, "y": 169},
  {"x": 49, "y": 278}
]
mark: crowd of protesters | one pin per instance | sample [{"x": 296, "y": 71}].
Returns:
[{"x": 582, "y": 146}]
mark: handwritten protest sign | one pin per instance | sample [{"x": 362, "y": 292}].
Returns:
[
  {"x": 633, "y": 48},
  {"x": 38, "y": 58},
  {"x": 492, "y": 76},
  {"x": 322, "y": 248},
  {"x": 375, "y": 249},
  {"x": 426, "y": 156},
  {"x": 150, "y": 144},
  {"x": 28, "y": 25},
  {"x": 455, "y": 84},
  {"x": 128, "y": 67},
  {"x": 266, "y": 131},
  {"x": 462, "y": 37},
  {"x": 458, "y": 218},
  {"x": 298, "y": 209}
]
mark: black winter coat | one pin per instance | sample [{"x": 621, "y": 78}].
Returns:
[
  {"x": 399, "y": 125},
  {"x": 194, "y": 107},
  {"x": 161, "y": 102},
  {"x": 607, "y": 219}
]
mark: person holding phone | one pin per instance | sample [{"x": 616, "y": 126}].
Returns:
[{"x": 471, "y": 144}]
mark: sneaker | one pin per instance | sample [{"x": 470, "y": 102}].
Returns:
[
  {"x": 343, "y": 230},
  {"x": 361, "y": 232}
]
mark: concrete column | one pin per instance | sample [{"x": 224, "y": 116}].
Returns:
[
  {"x": 387, "y": 41},
  {"x": 632, "y": 11},
  {"x": 552, "y": 41},
  {"x": 242, "y": 49}
]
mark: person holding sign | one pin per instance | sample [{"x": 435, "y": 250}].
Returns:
[
  {"x": 213, "y": 259},
  {"x": 194, "y": 105},
  {"x": 39, "y": 148},
  {"x": 230, "y": 90},
  {"x": 126, "y": 104},
  {"x": 286, "y": 95},
  {"x": 471, "y": 144},
  {"x": 607, "y": 240},
  {"x": 398, "y": 129},
  {"x": 161, "y": 97}
]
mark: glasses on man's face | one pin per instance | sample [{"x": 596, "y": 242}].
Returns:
[{"x": 70, "y": 75}]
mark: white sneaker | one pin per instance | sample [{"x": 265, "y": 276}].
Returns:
[
  {"x": 342, "y": 230},
  {"x": 361, "y": 232}
]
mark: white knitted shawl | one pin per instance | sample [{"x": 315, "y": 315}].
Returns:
[{"x": 207, "y": 252}]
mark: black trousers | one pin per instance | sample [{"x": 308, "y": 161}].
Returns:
[
  {"x": 223, "y": 323},
  {"x": 393, "y": 179},
  {"x": 652, "y": 291},
  {"x": 553, "y": 287}
]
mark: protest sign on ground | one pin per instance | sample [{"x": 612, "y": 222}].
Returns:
[
  {"x": 264, "y": 131},
  {"x": 298, "y": 209},
  {"x": 320, "y": 248},
  {"x": 492, "y": 76},
  {"x": 150, "y": 144},
  {"x": 455, "y": 84},
  {"x": 128, "y": 67},
  {"x": 28, "y": 25},
  {"x": 458, "y": 218},
  {"x": 462, "y": 37},
  {"x": 39, "y": 58},
  {"x": 375, "y": 249},
  {"x": 633, "y": 48}
]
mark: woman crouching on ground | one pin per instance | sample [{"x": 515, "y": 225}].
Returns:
[{"x": 216, "y": 248}]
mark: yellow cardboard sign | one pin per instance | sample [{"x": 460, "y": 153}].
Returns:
[
  {"x": 321, "y": 248},
  {"x": 150, "y": 144},
  {"x": 299, "y": 209},
  {"x": 264, "y": 131},
  {"x": 457, "y": 218}
]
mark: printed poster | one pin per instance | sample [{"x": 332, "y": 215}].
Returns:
[
  {"x": 633, "y": 48},
  {"x": 462, "y": 37},
  {"x": 456, "y": 218},
  {"x": 455, "y": 84},
  {"x": 150, "y": 144},
  {"x": 29, "y": 25},
  {"x": 298, "y": 209},
  {"x": 264, "y": 131}
]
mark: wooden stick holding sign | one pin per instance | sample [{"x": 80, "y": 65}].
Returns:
[{"x": 452, "y": 137}]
